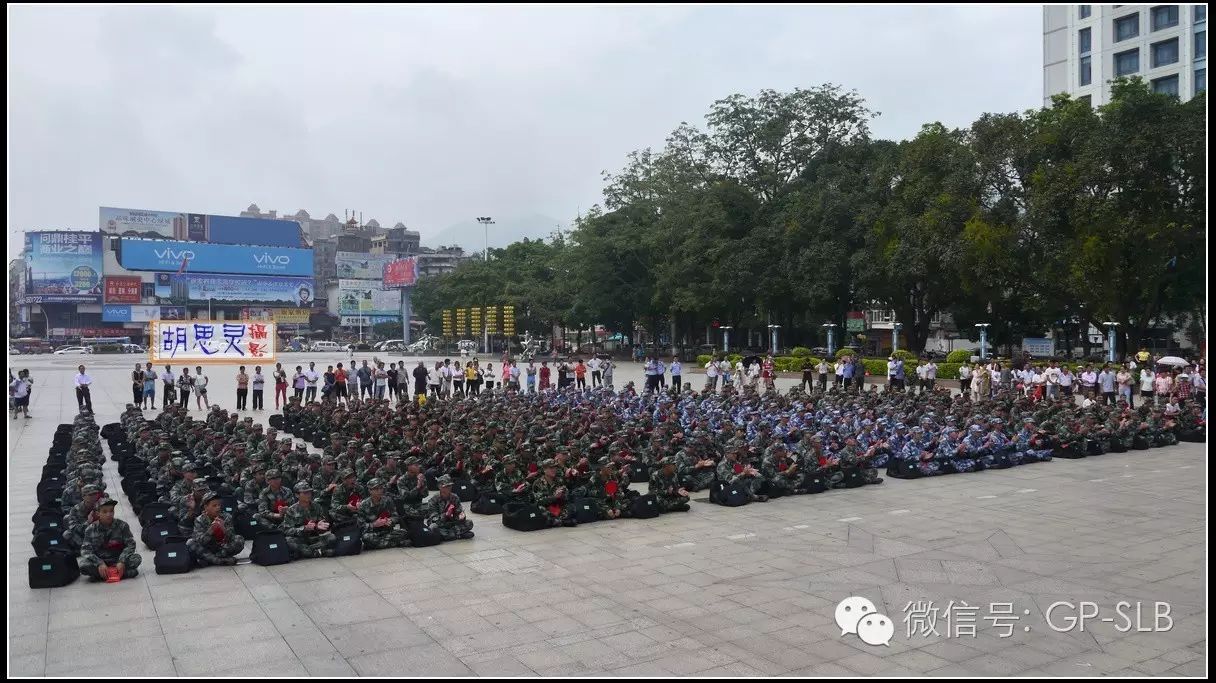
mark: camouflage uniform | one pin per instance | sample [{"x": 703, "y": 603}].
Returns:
[
  {"x": 209, "y": 547},
  {"x": 444, "y": 514},
  {"x": 303, "y": 542},
  {"x": 339, "y": 511},
  {"x": 411, "y": 497},
  {"x": 544, "y": 494},
  {"x": 375, "y": 538},
  {"x": 665, "y": 488},
  {"x": 694, "y": 478},
  {"x": 271, "y": 505},
  {"x": 731, "y": 473},
  {"x": 110, "y": 544}
]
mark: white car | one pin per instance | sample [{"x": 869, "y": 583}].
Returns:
[
  {"x": 325, "y": 346},
  {"x": 133, "y": 348},
  {"x": 74, "y": 351},
  {"x": 13, "y": 352}
]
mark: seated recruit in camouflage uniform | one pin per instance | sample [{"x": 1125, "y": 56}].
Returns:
[
  {"x": 412, "y": 491},
  {"x": 733, "y": 473},
  {"x": 81, "y": 515},
  {"x": 306, "y": 528},
  {"x": 273, "y": 501},
  {"x": 214, "y": 541},
  {"x": 696, "y": 473},
  {"x": 446, "y": 514},
  {"x": 344, "y": 507},
  {"x": 511, "y": 483},
  {"x": 666, "y": 488},
  {"x": 549, "y": 493},
  {"x": 379, "y": 520},
  {"x": 610, "y": 489},
  {"x": 108, "y": 542}
]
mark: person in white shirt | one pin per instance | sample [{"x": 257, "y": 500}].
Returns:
[
  {"x": 1146, "y": 384},
  {"x": 964, "y": 378},
  {"x": 930, "y": 375},
  {"x": 1198, "y": 385},
  {"x": 200, "y": 388},
  {"x": 1066, "y": 378},
  {"x": 1040, "y": 383},
  {"x": 310, "y": 377},
  {"x": 711, "y": 375},
  {"x": 1089, "y": 380},
  {"x": 724, "y": 372},
  {"x": 594, "y": 366},
  {"x": 434, "y": 379},
  {"x": 1051, "y": 377},
  {"x": 19, "y": 391},
  {"x": 839, "y": 373},
  {"x": 822, "y": 371}
]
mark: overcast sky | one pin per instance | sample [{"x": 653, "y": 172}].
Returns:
[{"x": 435, "y": 115}]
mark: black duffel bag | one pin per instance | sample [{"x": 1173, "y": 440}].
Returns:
[
  {"x": 644, "y": 507},
  {"x": 488, "y": 503},
  {"x": 49, "y": 540},
  {"x": 350, "y": 539},
  {"x": 853, "y": 478},
  {"x": 56, "y": 569},
  {"x": 465, "y": 490},
  {"x": 158, "y": 534},
  {"x": 524, "y": 517},
  {"x": 585, "y": 510},
  {"x": 639, "y": 472},
  {"x": 173, "y": 557},
  {"x": 269, "y": 549},
  {"x": 423, "y": 535},
  {"x": 729, "y": 495},
  {"x": 276, "y": 421},
  {"x": 153, "y": 513}
]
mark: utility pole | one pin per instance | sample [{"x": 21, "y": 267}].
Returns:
[{"x": 486, "y": 222}]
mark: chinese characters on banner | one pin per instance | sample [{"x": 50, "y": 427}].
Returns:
[
  {"x": 123, "y": 290},
  {"x": 213, "y": 341}
]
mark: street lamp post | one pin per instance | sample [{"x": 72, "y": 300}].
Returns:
[
  {"x": 895, "y": 336},
  {"x": 1111, "y": 328},
  {"x": 486, "y": 222},
  {"x": 725, "y": 338},
  {"x": 773, "y": 329},
  {"x": 831, "y": 328},
  {"x": 983, "y": 340}
]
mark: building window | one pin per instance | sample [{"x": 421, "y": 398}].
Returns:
[
  {"x": 1165, "y": 52},
  {"x": 1167, "y": 85},
  {"x": 1201, "y": 13},
  {"x": 1084, "y": 41},
  {"x": 1201, "y": 45},
  {"x": 1086, "y": 99},
  {"x": 1201, "y": 80},
  {"x": 1127, "y": 62},
  {"x": 1083, "y": 11},
  {"x": 1164, "y": 16},
  {"x": 1127, "y": 27},
  {"x": 1086, "y": 71}
]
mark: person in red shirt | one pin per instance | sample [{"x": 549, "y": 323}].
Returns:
[
  {"x": 766, "y": 373},
  {"x": 340, "y": 384},
  {"x": 580, "y": 374},
  {"x": 545, "y": 373}
]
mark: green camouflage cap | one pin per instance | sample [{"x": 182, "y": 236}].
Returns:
[
  {"x": 375, "y": 483},
  {"x": 273, "y": 473},
  {"x": 302, "y": 486}
]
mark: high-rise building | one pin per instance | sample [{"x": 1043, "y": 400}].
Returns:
[{"x": 1085, "y": 47}]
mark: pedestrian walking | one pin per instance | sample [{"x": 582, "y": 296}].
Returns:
[{"x": 280, "y": 385}]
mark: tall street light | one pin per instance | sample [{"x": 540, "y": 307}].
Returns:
[
  {"x": 1111, "y": 328},
  {"x": 725, "y": 338},
  {"x": 773, "y": 329},
  {"x": 831, "y": 328},
  {"x": 983, "y": 340},
  {"x": 486, "y": 222}
]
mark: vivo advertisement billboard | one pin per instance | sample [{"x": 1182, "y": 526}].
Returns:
[{"x": 198, "y": 257}]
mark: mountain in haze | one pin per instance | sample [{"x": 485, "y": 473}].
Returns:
[{"x": 471, "y": 235}]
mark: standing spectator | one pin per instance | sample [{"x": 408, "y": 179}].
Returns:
[
  {"x": 822, "y": 369},
  {"x": 1163, "y": 384},
  {"x": 847, "y": 369},
  {"x": 1051, "y": 377},
  {"x": 1066, "y": 379},
  {"x": 280, "y": 385},
  {"x": 329, "y": 383},
  {"x": 259, "y": 383},
  {"x": 433, "y": 379},
  {"x": 840, "y": 374},
  {"x": 137, "y": 384},
  {"x": 930, "y": 378},
  {"x": 242, "y": 388},
  {"x": 892, "y": 385},
  {"x": 1182, "y": 386},
  {"x": 167, "y": 384},
  {"x": 392, "y": 382},
  {"x": 660, "y": 369},
  {"x": 597, "y": 378},
  {"x": 419, "y": 373},
  {"x": 607, "y": 367},
  {"x": 1089, "y": 381},
  {"x": 310, "y": 379},
  {"x": 530, "y": 374},
  {"x": 1146, "y": 383},
  {"x": 964, "y": 378},
  {"x": 768, "y": 373},
  {"x": 580, "y": 374},
  {"x": 546, "y": 375},
  {"x": 513, "y": 373},
  {"x": 299, "y": 381},
  {"x": 488, "y": 376},
  {"x": 711, "y": 374},
  {"x": 1124, "y": 379},
  {"x": 1198, "y": 384},
  {"x": 149, "y": 387},
  {"x": 200, "y": 384},
  {"x": 342, "y": 384},
  {"x": 380, "y": 379},
  {"x": 472, "y": 378},
  {"x": 808, "y": 375},
  {"x": 184, "y": 384},
  {"x": 19, "y": 393},
  {"x": 1106, "y": 382},
  {"x": 677, "y": 372},
  {"x": 364, "y": 374}
]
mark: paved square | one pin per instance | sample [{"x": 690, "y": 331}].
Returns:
[{"x": 716, "y": 591}]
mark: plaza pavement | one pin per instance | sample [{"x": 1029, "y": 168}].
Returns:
[{"x": 715, "y": 591}]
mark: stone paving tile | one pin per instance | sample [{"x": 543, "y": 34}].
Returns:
[{"x": 731, "y": 604}]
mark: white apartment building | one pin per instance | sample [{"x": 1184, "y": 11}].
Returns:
[{"x": 1087, "y": 46}]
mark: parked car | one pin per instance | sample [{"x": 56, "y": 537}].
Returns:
[
  {"x": 133, "y": 348},
  {"x": 325, "y": 346},
  {"x": 820, "y": 352},
  {"x": 358, "y": 346},
  {"x": 73, "y": 350}
]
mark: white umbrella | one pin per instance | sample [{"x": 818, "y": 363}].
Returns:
[{"x": 1172, "y": 360}]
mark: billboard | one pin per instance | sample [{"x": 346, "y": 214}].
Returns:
[
  {"x": 1039, "y": 347},
  {"x": 64, "y": 267},
  {"x": 401, "y": 272},
  {"x": 197, "y": 227},
  {"x": 291, "y": 316},
  {"x": 368, "y": 320},
  {"x": 291, "y": 292},
  {"x": 356, "y": 266},
  {"x": 122, "y": 289},
  {"x": 213, "y": 342},
  {"x": 365, "y": 297},
  {"x": 134, "y": 254},
  {"x": 120, "y": 313}
]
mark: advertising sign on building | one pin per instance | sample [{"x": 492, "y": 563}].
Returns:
[
  {"x": 401, "y": 273},
  {"x": 138, "y": 254},
  {"x": 292, "y": 316},
  {"x": 291, "y": 292},
  {"x": 356, "y": 266},
  {"x": 64, "y": 267},
  {"x": 365, "y": 297},
  {"x": 213, "y": 342},
  {"x": 121, "y": 289},
  {"x": 197, "y": 227}
]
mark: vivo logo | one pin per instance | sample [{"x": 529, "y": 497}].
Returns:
[
  {"x": 175, "y": 255},
  {"x": 270, "y": 259}
]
